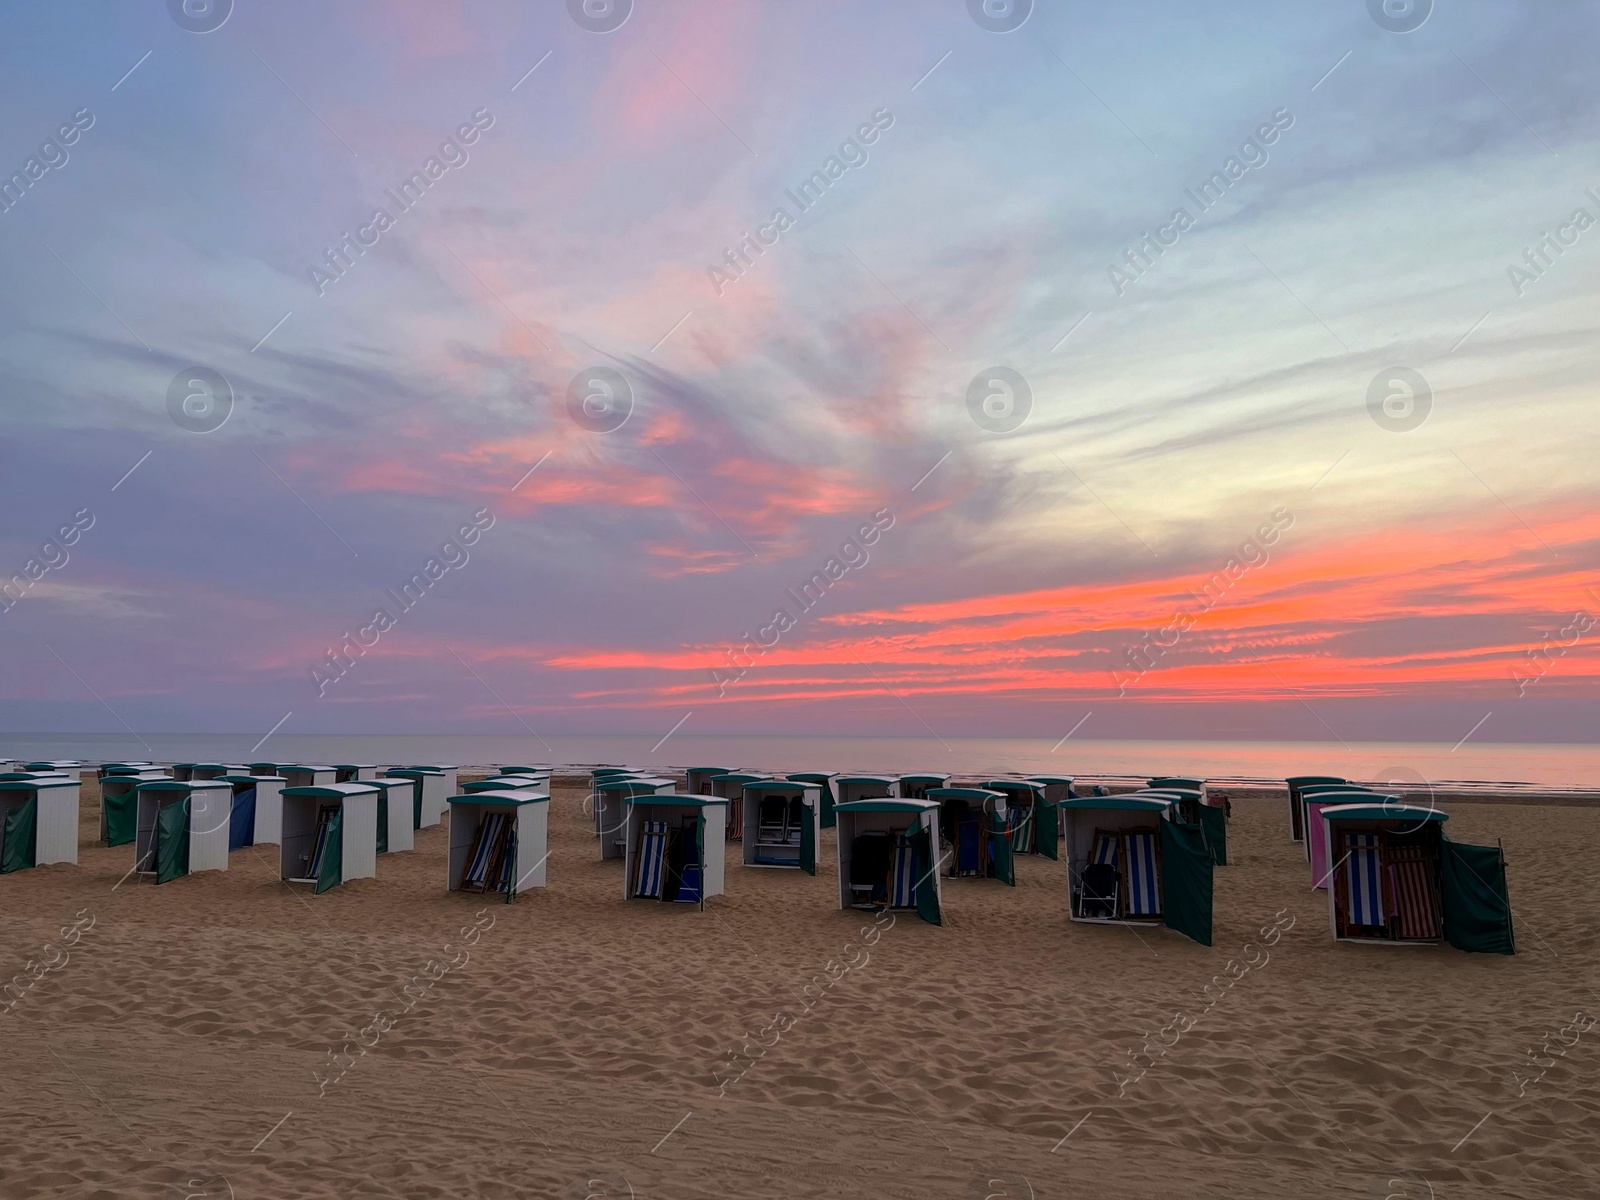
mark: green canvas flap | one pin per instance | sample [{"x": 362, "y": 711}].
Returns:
[
  {"x": 1005, "y": 865},
  {"x": 331, "y": 872},
  {"x": 383, "y": 824},
  {"x": 700, "y": 841},
  {"x": 828, "y": 819},
  {"x": 1047, "y": 833},
  {"x": 808, "y": 842},
  {"x": 1186, "y": 880},
  {"x": 927, "y": 885},
  {"x": 511, "y": 862},
  {"x": 19, "y": 839},
  {"x": 172, "y": 841},
  {"x": 1214, "y": 828},
  {"x": 1477, "y": 908},
  {"x": 122, "y": 818},
  {"x": 416, "y": 804}
]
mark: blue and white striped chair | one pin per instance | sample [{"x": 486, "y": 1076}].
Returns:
[
  {"x": 1363, "y": 882},
  {"x": 903, "y": 875},
  {"x": 652, "y": 860},
  {"x": 489, "y": 835},
  {"x": 1144, "y": 883}
]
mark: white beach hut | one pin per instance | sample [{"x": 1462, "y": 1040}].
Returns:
[
  {"x": 889, "y": 855},
  {"x": 729, "y": 786},
  {"x": 65, "y": 766},
  {"x": 119, "y": 768},
  {"x": 1131, "y": 861},
  {"x": 119, "y": 805},
  {"x": 917, "y": 786},
  {"x": 301, "y": 775},
  {"x": 397, "y": 814},
  {"x": 843, "y": 789},
  {"x": 782, "y": 821},
  {"x": 354, "y": 772},
  {"x": 432, "y": 793},
  {"x": 674, "y": 848},
  {"x": 448, "y": 770},
  {"x": 330, "y": 834},
  {"x": 975, "y": 823},
  {"x": 610, "y": 800},
  {"x": 182, "y": 827},
  {"x": 499, "y": 841},
  {"x": 697, "y": 780},
  {"x": 38, "y": 821}
]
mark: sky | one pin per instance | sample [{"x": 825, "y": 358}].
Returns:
[{"x": 1151, "y": 370}]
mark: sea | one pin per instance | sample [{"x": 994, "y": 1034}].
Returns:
[{"x": 1468, "y": 767}]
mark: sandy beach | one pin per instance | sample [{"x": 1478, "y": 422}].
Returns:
[{"x": 205, "y": 1037}]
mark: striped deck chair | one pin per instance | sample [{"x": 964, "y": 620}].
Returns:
[
  {"x": 969, "y": 844},
  {"x": 903, "y": 875},
  {"x": 1144, "y": 884},
  {"x": 1105, "y": 850},
  {"x": 320, "y": 845},
  {"x": 1022, "y": 829},
  {"x": 1411, "y": 886},
  {"x": 652, "y": 861},
  {"x": 491, "y": 832},
  {"x": 1363, "y": 883}
]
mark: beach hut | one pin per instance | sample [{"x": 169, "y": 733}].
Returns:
[
  {"x": 975, "y": 824},
  {"x": 674, "y": 847},
  {"x": 182, "y": 826},
  {"x": 783, "y": 819},
  {"x": 499, "y": 841},
  {"x": 429, "y": 803},
  {"x": 1034, "y": 822},
  {"x": 824, "y": 781},
  {"x": 1056, "y": 787},
  {"x": 697, "y": 780},
  {"x": 729, "y": 786},
  {"x": 1131, "y": 862},
  {"x": 1398, "y": 880},
  {"x": 119, "y": 806},
  {"x": 397, "y": 813},
  {"x": 354, "y": 772},
  {"x": 56, "y": 765},
  {"x": 38, "y": 821},
  {"x": 1297, "y": 813},
  {"x": 524, "y": 770},
  {"x": 122, "y": 768},
  {"x": 508, "y": 783},
  {"x": 889, "y": 855},
  {"x": 448, "y": 770},
  {"x": 843, "y": 789},
  {"x": 266, "y": 768},
  {"x": 330, "y": 834},
  {"x": 610, "y": 799},
  {"x": 300, "y": 775},
  {"x": 915, "y": 787},
  {"x": 257, "y": 814}
]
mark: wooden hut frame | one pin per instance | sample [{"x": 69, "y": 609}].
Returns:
[
  {"x": 782, "y": 824},
  {"x": 55, "y": 826},
  {"x": 729, "y": 786},
  {"x": 303, "y": 820},
  {"x": 499, "y": 841},
  {"x": 975, "y": 824},
  {"x": 698, "y": 821},
  {"x": 697, "y": 780},
  {"x": 903, "y": 837},
  {"x": 1297, "y": 812},
  {"x": 210, "y": 815}
]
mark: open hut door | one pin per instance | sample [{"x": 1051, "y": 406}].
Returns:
[
  {"x": 808, "y": 839},
  {"x": 700, "y": 841},
  {"x": 1186, "y": 880},
  {"x": 1005, "y": 867},
  {"x": 19, "y": 837},
  {"x": 242, "y": 819},
  {"x": 515, "y": 824},
  {"x": 172, "y": 841},
  {"x": 1477, "y": 909},
  {"x": 122, "y": 817},
  {"x": 1047, "y": 819},
  {"x": 330, "y": 874},
  {"x": 927, "y": 883},
  {"x": 416, "y": 804},
  {"x": 1214, "y": 828},
  {"x": 383, "y": 822},
  {"x": 828, "y": 819}
]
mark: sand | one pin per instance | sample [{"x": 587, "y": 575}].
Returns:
[{"x": 575, "y": 1047}]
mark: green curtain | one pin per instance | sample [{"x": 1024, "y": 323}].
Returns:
[
  {"x": 1214, "y": 828},
  {"x": 122, "y": 817},
  {"x": 331, "y": 873},
  {"x": 828, "y": 819},
  {"x": 383, "y": 824},
  {"x": 511, "y": 858},
  {"x": 1047, "y": 822},
  {"x": 1005, "y": 866},
  {"x": 416, "y": 804},
  {"x": 19, "y": 839},
  {"x": 1186, "y": 880},
  {"x": 927, "y": 882},
  {"x": 1477, "y": 909},
  {"x": 172, "y": 841},
  {"x": 808, "y": 841},
  {"x": 700, "y": 841}
]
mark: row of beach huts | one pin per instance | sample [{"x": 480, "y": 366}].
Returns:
[{"x": 1142, "y": 857}]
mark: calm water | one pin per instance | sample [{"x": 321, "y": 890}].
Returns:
[{"x": 1550, "y": 765}]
